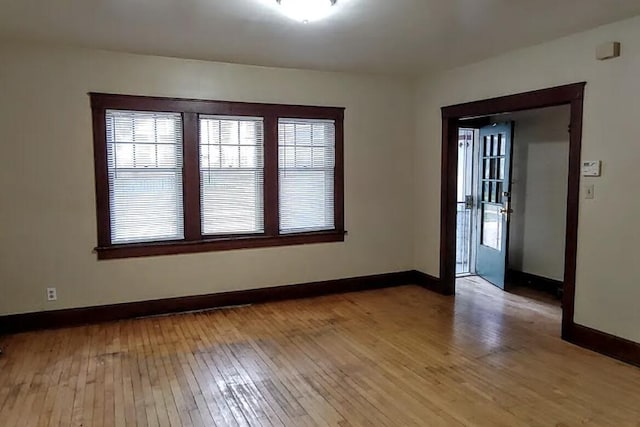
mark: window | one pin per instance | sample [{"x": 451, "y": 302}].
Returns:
[
  {"x": 144, "y": 157},
  {"x": 231, "y": 175},
  {"x": 306, "y": 162},
  {"x": 178, "y": 176}
]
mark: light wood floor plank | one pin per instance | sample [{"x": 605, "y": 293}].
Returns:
[{"x": 400, "y": 356}]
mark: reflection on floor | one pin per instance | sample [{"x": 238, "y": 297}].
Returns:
[{"x": 392, "y": 357}]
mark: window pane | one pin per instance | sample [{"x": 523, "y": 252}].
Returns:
[
  {"x": 487, "y": 146},
  {"x": 231, "y": 175},
  {"x": 306, "y": 159},
  {"x": 144, "y": 159},
  {"x": 231, "y": 201},
  {"x": 493, "y": 169},
  {"x": 486, "y": 192},
  {"x": 230, "y": 156},
  {"x": 146, "y": 206},
  {"x": 491, "y": 227},
  {"x": 496, "y": 145},
  {"x": 306, "y": 200}
]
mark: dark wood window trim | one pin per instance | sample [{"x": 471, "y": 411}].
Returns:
[{"x": 194, "y": 240}]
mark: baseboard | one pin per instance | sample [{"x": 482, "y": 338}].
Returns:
[
  {"x": 592, "y": 339},
  {"x": 429, "y": 282},
  {"x": 79, "y": 316},
  {"x": 601, "y": 342},
  {"x": 551, "y": 286}
]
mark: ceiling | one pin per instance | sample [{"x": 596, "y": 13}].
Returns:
[{"x": 402, "y": 37}]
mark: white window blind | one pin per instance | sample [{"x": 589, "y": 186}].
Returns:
[
  {"x": 231, "y": 175},
  {"x": 144, "y": 159},
  {"x": 306, "y": 159}
]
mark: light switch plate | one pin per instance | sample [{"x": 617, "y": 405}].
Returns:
[
  {"x": 589, "y": 192},
  {"x": 591, "y": 168}
]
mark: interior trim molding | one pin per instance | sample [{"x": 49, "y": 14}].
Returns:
[
  {"x": 601, "y": 342},
  {"x": 572, "y": 95},
  {"x": 105, "y": 313},
  {"x": 430, "y": 282},
  {"x": 194, "y": 239},
  {"x": 452, "y": 117}
]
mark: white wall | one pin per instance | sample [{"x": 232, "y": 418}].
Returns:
[
  {"x": 539, "y": 191},
  {"x": 607, "y": 282},
  {"x": 47, "y": 215},
  {"x": 47, "y": 210}
]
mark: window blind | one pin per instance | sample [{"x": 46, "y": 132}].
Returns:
[
  {"x": 144, "y": 160},
  {"x": 231, "y": 175},
  {"x": 306, "y": 160}
]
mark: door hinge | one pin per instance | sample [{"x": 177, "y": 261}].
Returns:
[{"x": 468, "y": 202}]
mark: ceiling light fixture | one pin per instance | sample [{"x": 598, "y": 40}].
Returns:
[{"x": 306, "y": 10}]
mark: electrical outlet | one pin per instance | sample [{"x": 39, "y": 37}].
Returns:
[{"x": 52, "y": 294}]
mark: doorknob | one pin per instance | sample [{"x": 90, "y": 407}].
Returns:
[{"x": 506, "y": 211}]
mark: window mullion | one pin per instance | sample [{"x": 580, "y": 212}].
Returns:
[
  {"x": 191, "y": 177},
  {"x": 271, "y": 194}
]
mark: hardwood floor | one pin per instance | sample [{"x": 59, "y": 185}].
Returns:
[{"x": 401, "y": 356}]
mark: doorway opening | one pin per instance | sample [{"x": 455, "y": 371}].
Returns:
[
  {"x": 484, "y": 232},
  {"x": 512, "y": 193}
]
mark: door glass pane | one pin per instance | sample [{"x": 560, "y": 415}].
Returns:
[
  {"x": 494, "y": 166},
  {"x": 499, "y": 144},
  {"x": 491, "y": 226},
  {"x": 496, "y": 145},
  {"x": 501, "y": 169},
  {"x": 487, "y": 146},
  {"x": 487, "y": 169},
  {"x": 486, "y": 191},
  {"x": 503, "y": 145}
]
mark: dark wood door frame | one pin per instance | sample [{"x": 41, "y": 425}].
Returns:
[{"x": 571, "y": 95}]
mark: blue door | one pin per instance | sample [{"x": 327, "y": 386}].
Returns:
[{"x": 494, "y": 197}]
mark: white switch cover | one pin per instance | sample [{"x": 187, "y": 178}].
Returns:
[
  {"x": 591, "y": 168},
  {"x": 589, "y": 192}
]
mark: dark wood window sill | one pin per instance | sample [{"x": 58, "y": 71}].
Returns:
[{"x": 135, "y": 250}]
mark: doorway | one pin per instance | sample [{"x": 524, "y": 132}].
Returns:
[
  {"x": 512, "y": 195},
  {"x": 484, "y": 178},
  {"x": 453, "y": 119}
]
